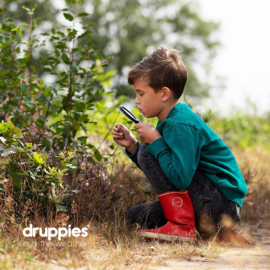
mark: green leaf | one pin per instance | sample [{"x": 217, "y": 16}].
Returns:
[
  {"x": 22, "y": 60},
  {"x": 27, "y": 98},
  {"x": 73, "y": 68},
  {"x": 38, "y": 158},
  {"x": 83, "y": 139},
  {"x": 48, "y": 69},
  {"x": 14, "y": 129},
  {"x": 85, "y": 34},
  {"x": 84, "y": 128},
  {"x": 85, "y": 118},
  {"x": 61, "y": 33},
  {"x": 24, "y": 88},
  {"x": 83, "y": 14},
  {"x": 70, "y": 1},
  {"x": 79, "y": 106},
  {"x": 47, "y": 92},
  {"x": 33, "y": 68},
  {"x": 61, "y": 45},
  {"x": 89, "y": 145},
  {"x": 110, "y": 73},
  {"x": 41, "y": 83},
  {"x": 90, "y": 42},
  {"x": 112, "y": 146},
  {"x": 99, "y": 56},
  {"x": 65, "y": 58},
  {"x": 68, "y": 16},
  {"x": 98, "y": 156},
  {"x": 57, "y": 53},
  {"x": 91, "y": 24},
  {"x": 72, "y": 34},
  {"x": 40, "y": 121},
  {"x": 42, "y": 98}
]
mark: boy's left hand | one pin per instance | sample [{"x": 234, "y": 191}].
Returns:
[{"x": 148, "y": 133}]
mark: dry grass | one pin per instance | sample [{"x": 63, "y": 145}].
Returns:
[
  {"x": 125, "y": 252},
  {"x": 113, "y": 244},
  {"x": 254, "y": 164}
]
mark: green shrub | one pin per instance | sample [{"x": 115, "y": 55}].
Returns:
[
  {"x": 78, "y": 69},
  {"x": 47, "y": 162}
]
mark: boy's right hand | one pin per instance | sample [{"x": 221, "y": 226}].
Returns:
[{"x": 123, "y": 137}]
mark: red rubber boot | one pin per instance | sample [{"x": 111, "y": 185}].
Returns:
[{"x": 179, "y": 212}]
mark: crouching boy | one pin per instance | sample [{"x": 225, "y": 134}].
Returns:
[{"x": 194, "y": 173}]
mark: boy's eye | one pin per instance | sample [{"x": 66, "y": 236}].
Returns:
[{"x": 141, "y": 94}]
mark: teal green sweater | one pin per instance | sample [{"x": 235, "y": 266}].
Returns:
[{"x": 187, "y": 143}]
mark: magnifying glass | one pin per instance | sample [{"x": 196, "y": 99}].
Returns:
[{"x": 127, "y": 113}]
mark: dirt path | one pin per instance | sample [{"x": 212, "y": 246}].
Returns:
[{"x": 255, "y": 257}]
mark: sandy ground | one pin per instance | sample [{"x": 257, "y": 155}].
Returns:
[
  {"x": 257, "y": 257},
  {"x": 254, "y": 257}
]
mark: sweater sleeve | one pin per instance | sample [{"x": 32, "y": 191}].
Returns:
[
  {"x": 178, "y": 153},
  {"x": 133, "y": 156}
]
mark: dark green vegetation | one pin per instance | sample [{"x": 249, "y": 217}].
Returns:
[{"x": 47, "y": 162}]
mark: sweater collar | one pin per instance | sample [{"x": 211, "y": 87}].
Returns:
[{"x": 178, "y": 107}]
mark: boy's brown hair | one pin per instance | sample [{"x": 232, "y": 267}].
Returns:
[{"x": 163, "y": 68}]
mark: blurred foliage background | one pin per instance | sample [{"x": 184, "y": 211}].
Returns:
[{"x": 130, "y": 30}]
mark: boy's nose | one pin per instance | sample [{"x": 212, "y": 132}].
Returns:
[{"x": 136, "y": 100}]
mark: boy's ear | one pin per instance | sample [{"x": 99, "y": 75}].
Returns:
[{"x": 165, "y": 93}]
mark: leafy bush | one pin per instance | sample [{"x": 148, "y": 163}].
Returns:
[
  {"x": 78, "y": 71},
  {"x": 38, "y": 184},
  {"x": 47, "y": 163},
  {"x": 31, "y": 178}
]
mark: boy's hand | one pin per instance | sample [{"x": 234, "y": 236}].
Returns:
[
  {"x": 123, "y": 137},
  {"x": 147, "y": 132}
]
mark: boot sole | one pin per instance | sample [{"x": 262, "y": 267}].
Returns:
[{"x": 167, "y": 237}]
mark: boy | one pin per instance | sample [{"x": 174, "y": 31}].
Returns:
[{"x": 194, "y": 173}]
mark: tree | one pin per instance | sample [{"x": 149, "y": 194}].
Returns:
[
  {"x": 45, "y": 14},
  {"x": 45, "y": 11},
  {"x": 130, "y": 30}
]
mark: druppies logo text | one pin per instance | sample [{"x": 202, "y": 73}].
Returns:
[{"x": 53, "y": 232}]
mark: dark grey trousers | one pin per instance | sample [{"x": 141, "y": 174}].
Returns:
[{"x": 212, "y": 210}]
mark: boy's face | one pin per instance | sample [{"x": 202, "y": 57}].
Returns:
[{"x": 149, "y": 102}]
